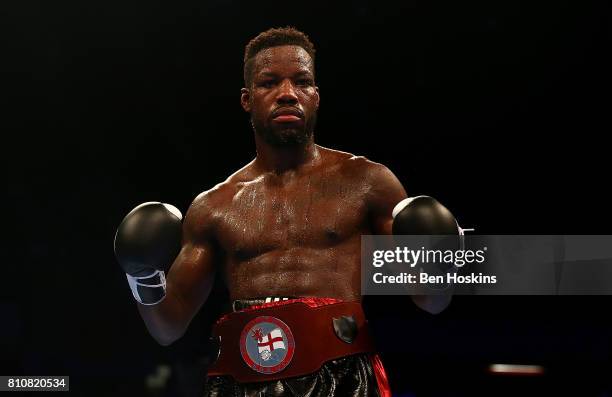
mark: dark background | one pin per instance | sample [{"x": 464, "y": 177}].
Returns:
[{"x": 500, "y": 109}]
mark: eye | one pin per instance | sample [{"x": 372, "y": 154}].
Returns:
[
  {"x": 304, "y": 82},
  {"x": 267, "y": 83}
]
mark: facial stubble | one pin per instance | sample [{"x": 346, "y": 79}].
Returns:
[{"x": 286, "y": 136}]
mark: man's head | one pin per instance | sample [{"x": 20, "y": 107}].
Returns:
[{"x": 280, "y": 91}]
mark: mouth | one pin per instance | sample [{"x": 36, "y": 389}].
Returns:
[{"x": 287, "y": 115}]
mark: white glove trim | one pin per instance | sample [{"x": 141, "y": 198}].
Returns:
[
  {"x": 403, "y": 204},
  {"x": 133, "y": 282}
]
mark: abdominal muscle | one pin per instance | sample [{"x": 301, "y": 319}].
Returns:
[{"x": 297, "y": 272}]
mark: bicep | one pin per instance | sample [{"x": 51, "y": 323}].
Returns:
[
  {"x": 385, "y": 192},
  {"x": 191, "y": 276}
]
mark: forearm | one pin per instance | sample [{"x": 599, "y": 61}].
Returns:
[{"x": 166, "y": 321}]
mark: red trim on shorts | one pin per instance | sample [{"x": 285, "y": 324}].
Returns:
[{"x": 381, "y": 376}]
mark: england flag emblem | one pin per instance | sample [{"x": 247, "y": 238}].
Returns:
[{"x": 267, "y": 345}]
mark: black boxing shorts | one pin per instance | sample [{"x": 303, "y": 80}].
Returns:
[{"x": 295, "y": 347}]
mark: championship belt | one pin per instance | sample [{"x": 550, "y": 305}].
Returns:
[{"x": 287, "y": 339}]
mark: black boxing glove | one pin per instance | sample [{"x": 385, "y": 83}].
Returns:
[
  {"x": 146, "y": 243},
  {"x": 423, "y": 215}
]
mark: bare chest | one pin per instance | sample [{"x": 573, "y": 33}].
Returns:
[{"x": 312, "y": 212}]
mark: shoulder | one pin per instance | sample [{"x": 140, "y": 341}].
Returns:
[
  {"x": 360, "y": 166},
  {"x": 346, "y": 163},
  {"x": 382, "y": 188},
  {"x": 209, "y": 203},
  {"x": 381, "y": 185}
]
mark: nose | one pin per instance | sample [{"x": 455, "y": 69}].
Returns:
[{"x": 286, "y": 93}]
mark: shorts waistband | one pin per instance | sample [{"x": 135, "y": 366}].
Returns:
[{"x": 241, "y": 304}]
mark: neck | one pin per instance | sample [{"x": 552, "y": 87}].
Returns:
[{"x": 281, "y": 159}]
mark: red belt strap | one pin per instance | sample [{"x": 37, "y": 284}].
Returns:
[{"x": 311, "y": 342}]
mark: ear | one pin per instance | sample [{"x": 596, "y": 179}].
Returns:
[
  {"x": 318, "y": 97},
  {"x": 245, "y": 96}
]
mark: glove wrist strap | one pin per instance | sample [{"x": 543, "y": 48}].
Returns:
[{"x": 148, "y": 290}]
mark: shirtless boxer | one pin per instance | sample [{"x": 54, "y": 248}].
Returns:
[{"x": 287, "y": 225}]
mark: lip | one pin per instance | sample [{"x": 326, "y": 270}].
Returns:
[
  {"x": 287, "y": 115},
  {"x": 286, "y": 118}
]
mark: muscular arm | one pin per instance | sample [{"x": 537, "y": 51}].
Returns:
[
  {"x": 189, "y": 280},
  {"x": 386, "y": 191}
]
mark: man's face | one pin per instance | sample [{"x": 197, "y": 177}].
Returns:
[{"x": 283, "y": 99}]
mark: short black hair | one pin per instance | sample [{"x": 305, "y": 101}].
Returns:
[{"x": 273, "y": 38}]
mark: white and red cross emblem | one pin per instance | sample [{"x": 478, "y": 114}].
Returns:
[{"x": 267, "y": 345}]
